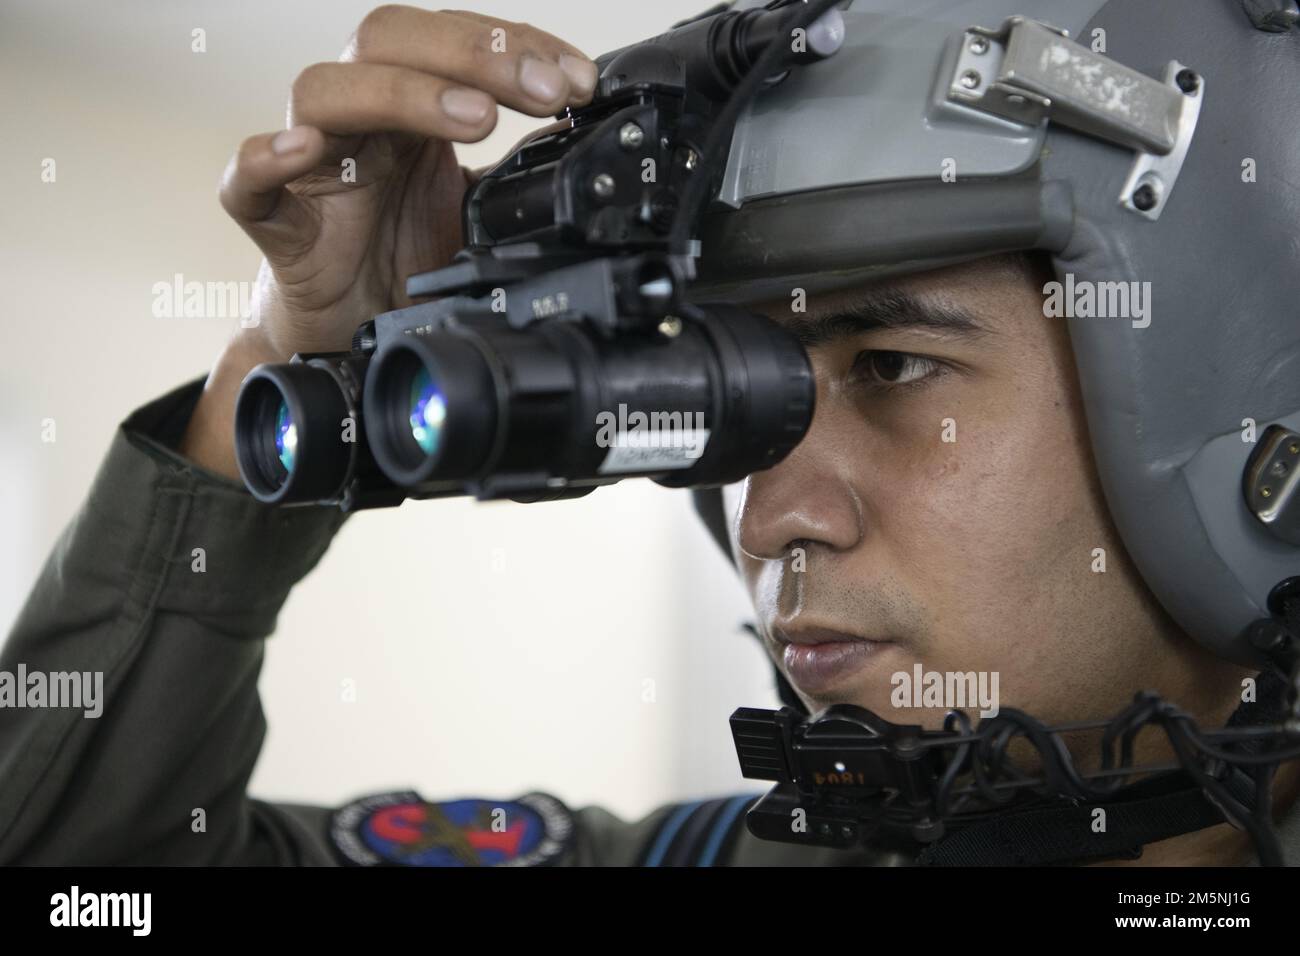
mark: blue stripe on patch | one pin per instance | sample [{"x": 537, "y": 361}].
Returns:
[
  {"x": 722, "y": 827},
  {"x": 668, "y": 831}
]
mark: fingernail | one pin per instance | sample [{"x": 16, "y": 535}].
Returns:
[
  {"x": 542, "y": 81},
  {"x": 581, "y": 73},
  {"x": 466, "y": 106},
  {"x": 289, "y": 141}
]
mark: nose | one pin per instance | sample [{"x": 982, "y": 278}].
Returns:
[{"x": 807, "y": 498}]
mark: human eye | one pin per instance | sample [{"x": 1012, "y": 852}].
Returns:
[{"x": 882, "y": 370}]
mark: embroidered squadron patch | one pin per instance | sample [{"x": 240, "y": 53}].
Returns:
[{"x": 402, "y": 829}]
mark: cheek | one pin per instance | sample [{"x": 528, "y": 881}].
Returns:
[
  {"x": 763, "y": 579},
  {"x": 977, "y": 522}
]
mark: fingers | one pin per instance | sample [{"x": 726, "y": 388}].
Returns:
[
  {"x": 518, "y": 65},
  {"x": 428, "y": 74},
  {"x": 348, "y": 98},
  {"x": 580, "y": 68},
  {"x": 252, "y": 188}
]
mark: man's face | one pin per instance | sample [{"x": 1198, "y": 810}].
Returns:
[{"x": 944, "y": 507}]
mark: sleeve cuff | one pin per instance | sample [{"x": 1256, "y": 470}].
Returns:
[{"x": 199, "y": 541}]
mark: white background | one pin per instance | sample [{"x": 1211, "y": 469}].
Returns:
[{"x": 469, "y": 681}]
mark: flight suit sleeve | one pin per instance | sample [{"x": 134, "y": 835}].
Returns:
[
  {"x": 149, "y": 617},
  {"x": 154, "y": 604}
]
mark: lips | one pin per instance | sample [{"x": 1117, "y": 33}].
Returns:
[{"x": 819, "y": 659}]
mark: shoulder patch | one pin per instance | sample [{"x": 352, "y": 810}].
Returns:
[{"x": 403, "y": 829}]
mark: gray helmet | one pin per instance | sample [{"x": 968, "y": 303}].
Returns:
[{"x": 1135, "y": 141}]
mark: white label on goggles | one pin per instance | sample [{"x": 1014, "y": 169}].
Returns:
[{"x": 634, "y": 451}]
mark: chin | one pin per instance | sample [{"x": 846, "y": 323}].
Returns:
[
  {"x": 859, "y": 697},
  {"x": 931, "y": 718}
]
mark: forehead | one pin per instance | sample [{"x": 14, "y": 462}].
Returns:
[
  {"x": 970, "y": 284},
  {"x": 967, "y": 301}
]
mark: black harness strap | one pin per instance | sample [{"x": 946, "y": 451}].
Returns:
[
  {"x": 1064, "y": 834},
  {"x": 1155, "y": 809}
]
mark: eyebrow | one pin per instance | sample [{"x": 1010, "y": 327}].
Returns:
[{"x": 894, "y": 310}]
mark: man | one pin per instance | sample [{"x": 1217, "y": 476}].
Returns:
[
  {"x": 967, "y": 556},
  {"x": 945, "y": 511}
]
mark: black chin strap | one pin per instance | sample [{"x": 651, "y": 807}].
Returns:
[
  {"x": 1154, "y": 809},
  {"x": 1169, "y": 806}
]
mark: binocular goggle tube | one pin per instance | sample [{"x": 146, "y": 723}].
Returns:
[
  {"x": 290, "y": 427},
  {"x": 430, "y": 408},
  {"x": 547, "y": 411},
  {"x": 522, "y": 409}
]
